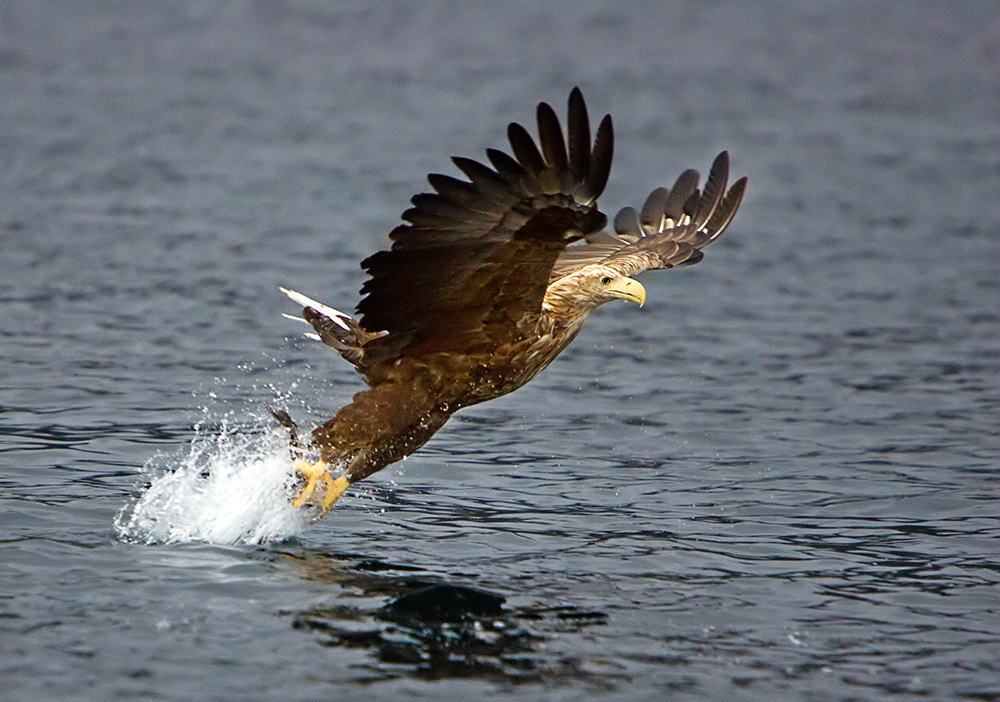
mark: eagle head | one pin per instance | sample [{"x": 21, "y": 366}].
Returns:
[{"x": 602, "y": 284}]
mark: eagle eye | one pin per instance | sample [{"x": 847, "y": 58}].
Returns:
[{"x": 605, "y": 280}]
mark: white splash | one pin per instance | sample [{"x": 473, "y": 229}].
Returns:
[{"x": 233, "y": 486}]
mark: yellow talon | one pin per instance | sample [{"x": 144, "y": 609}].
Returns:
[
  {"x": 333, "y": 492},
  {"x": 314, "y": 473},
  {"x": 317, "y": 474}
]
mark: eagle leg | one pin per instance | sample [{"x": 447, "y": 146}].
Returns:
[{"x": 318, "y": 474}]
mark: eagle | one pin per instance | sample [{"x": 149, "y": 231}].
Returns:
[{"x": 486, "y": 282}]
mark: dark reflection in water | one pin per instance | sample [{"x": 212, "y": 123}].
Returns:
[{"x": 434, "y": 630}]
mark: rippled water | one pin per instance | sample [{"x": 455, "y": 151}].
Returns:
[{"x": 779, "y": 478}]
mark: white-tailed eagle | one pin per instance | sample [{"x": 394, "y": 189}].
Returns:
[{"x": 489, "y": 279}]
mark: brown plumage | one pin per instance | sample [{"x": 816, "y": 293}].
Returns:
[{"x": 484, "y": 286}]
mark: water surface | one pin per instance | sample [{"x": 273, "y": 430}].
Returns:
[{"x": 778, "y": 479}]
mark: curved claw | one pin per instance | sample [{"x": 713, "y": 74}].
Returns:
[
  {"x": 314, "y": 473},
  {"x": 318, "y": 474}
]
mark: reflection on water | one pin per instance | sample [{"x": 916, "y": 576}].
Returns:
[{"x": 431, "y": 629}]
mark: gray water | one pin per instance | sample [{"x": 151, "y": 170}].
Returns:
[{"x": 777, "y": 480}]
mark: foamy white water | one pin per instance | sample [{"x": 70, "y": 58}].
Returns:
[{"x": 233, "y": 486}]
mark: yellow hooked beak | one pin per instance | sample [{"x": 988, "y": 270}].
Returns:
[{"x": 628, "y": 289}]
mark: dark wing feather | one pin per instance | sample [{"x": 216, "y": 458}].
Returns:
[
  {"x": 550, "y": 135},
  {"x": 670, "y": 230},
  {"x": 579, "y": 144},
  {"x": 600, "y": 162},
  {"x": 469, "y": 269}
]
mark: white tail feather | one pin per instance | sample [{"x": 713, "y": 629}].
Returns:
[{"x": 336, "y": 316}]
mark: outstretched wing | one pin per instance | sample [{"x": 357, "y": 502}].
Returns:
[
  {"x": 470, "y": 268},
  {"x": 670, "y": 231}
]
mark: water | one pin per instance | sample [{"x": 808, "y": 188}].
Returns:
[
  {"x": 234, "y": 486},
  {"x": 778, "y": 479}
]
